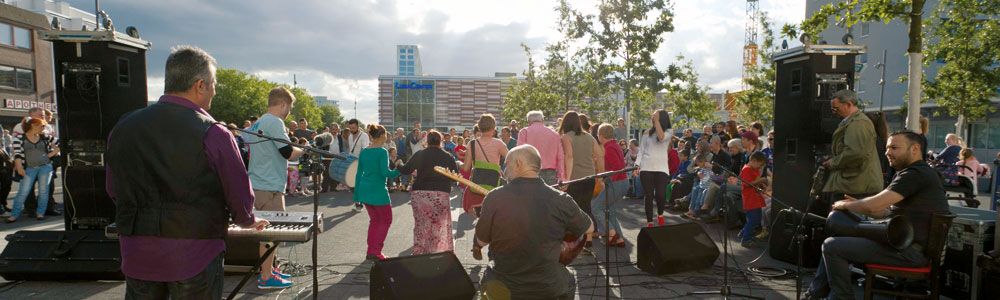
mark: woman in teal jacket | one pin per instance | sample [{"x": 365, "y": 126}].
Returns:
[{"x": 373, "y": 170}]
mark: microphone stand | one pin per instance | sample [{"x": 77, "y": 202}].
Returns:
[
  {"x": 726, "y": 290},
  {"x": 798, "y": 237},
  {"x": 314, "y": 167},
  {"x": 607, "y": 221}
]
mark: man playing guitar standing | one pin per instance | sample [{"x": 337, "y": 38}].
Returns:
[{"x": 524, "y": 222}]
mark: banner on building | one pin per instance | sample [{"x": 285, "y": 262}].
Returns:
[{"x": 26, "y": 105}]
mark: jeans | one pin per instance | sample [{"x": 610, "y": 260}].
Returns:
[
  {"x": 833, "y": 277},
  {"x": 43, "y": 174},
  {"x": 205, "y": 285},
  {"x": 637, "y": 187},
  {"x": 753, "y": 219},
  {"x": 614, "y": 192},
  {"x": 697, "y": 197}
]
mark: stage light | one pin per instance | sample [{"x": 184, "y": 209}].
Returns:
[
  {"x": 848, "y": 39},
  {"x": 132, "y": 31}
]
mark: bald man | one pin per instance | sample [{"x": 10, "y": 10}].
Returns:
[{"x": 526, "y": 247}]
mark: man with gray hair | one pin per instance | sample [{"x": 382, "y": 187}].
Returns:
[
  {"x": 175, "y": 193},
  {"x": 854, "y": 165},
  {"x": 548, "y": 144},
  {"x": 525, "y": 247}
]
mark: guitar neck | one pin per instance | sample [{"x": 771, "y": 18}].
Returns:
[{"x": 454, "y": 176}]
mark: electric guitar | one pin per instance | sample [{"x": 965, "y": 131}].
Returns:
[{"x": 571, "y": 245}]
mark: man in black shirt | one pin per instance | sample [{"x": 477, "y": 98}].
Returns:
[
  {"x": 712, "y": 194},
  {"x": 915, "y": 192},
  {"x": 524, "y": 222}
]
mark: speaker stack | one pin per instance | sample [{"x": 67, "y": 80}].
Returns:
[
  {"x": 805, "y": 78},
  {"x": 100, "y": 76}
]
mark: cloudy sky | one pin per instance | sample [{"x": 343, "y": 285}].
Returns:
[{"x": 337, "y": 48}]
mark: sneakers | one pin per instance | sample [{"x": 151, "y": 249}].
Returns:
[
  {"x": 659, "y": 220},
  {"x": 274, "y": 271},
  {"x": 272, "y": 283},
  {"x": 358, "y": 206},
  {"x": 650, "y": 224},
  {"x": 750, "y": 244},
  {"x": 763, "y": 235}
]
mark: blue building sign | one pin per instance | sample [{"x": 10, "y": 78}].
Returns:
[{"x": 413, "y": 86}]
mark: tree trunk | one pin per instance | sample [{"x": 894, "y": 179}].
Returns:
[
  {"x": 960, "y": 128},
  {"x": 915, "y": 77}
]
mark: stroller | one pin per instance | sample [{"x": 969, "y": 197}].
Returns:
[{"x": 958, "y": 183}]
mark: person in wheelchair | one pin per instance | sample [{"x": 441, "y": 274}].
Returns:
[{"x": 916, "y": 192}]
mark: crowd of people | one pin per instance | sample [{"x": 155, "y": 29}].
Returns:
[
  {"x": 29, "y": 157},
  {"x": 529, "y": 187}
]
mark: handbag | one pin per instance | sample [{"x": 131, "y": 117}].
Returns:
[{"x": 485, "y": 173}]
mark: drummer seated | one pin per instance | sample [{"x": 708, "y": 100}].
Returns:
[
  {"x": 524, "y": 223},
  {"x": 915, "y": 192}
]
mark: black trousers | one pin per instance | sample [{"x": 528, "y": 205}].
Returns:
[
  {"x": 205, "y": 285},
  {"x": 582, "y": 193},
  {"x": 328, "y": 183},
  {"x": 6, "y": 183},
  {"x": 654, "y": 188}
]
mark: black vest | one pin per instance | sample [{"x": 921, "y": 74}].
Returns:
[{"x": 163, "y": 184}]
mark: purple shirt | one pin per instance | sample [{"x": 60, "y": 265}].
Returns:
[{"x": 170, "y": 259}]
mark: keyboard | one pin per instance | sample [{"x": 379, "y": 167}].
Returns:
[{"x": 286, "y": 226}]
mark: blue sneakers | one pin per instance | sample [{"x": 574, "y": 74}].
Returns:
[
  {"x": 272, "y": 283},
  {"x": 274, "y": 271}
]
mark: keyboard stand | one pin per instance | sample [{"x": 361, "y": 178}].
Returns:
[{"x": 254, "y": 270}]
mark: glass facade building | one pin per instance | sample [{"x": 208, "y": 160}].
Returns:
[{"x": 413, "y": 100}]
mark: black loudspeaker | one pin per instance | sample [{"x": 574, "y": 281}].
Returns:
[
  {"x": 88, "y": 205},
  {"x": 675, "y": 248},
  {"x": 61, "y": 255},
  {"x": 100, "y": 76},
  {"x": 427, "y": 276},
  {"x": 805, "y": 78},
  {"x": 782, "y": 246}
]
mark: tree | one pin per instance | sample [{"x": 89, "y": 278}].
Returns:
[
  {"x": 625, "y": 34},
  {"x": 533, "y": 93},
  {"x": 331, "y": 114},
  {"x": 969, "y": 45},
  {"x": 757, "y": 102},
  {"x": 691, "y": 103},
  {"x": 238, "y": 96},
  {"x": 852, "y": 11},
  {"x": 305, "y": 107}
]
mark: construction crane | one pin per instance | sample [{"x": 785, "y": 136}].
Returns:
[{"x": 750, "y": 40}]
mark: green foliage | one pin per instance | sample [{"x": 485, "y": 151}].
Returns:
[
  {"x": 966, "y": 35},
  {"x": 623, "y": 36},
  {"x": 691, "y": 103},
  {"x": 331, "y": 114},
  {"x": 240, "y": 95},
  {"x": 757, "y": 102},
  {"x": 535, "y": 92}
]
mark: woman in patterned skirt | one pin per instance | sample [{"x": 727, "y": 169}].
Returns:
[{"x": 429, "y": 197}]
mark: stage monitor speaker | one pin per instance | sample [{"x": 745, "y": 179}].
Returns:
[
  {"x": 782, "y": 246},
  {"x": 805, "y": 79},
  {"x": 61, "y": 255},
  {"x": 675, "y": 248},
  {"x": 87, "y": 204},
  {"x": 427, "y": 276}
]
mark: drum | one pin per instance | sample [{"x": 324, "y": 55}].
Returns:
[{"x": 344, "y": 170}]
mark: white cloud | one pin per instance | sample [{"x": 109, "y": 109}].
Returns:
[{"x": 338, "y": 48}]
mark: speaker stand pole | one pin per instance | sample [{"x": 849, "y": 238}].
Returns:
[{"x": 726, "y": 291}]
